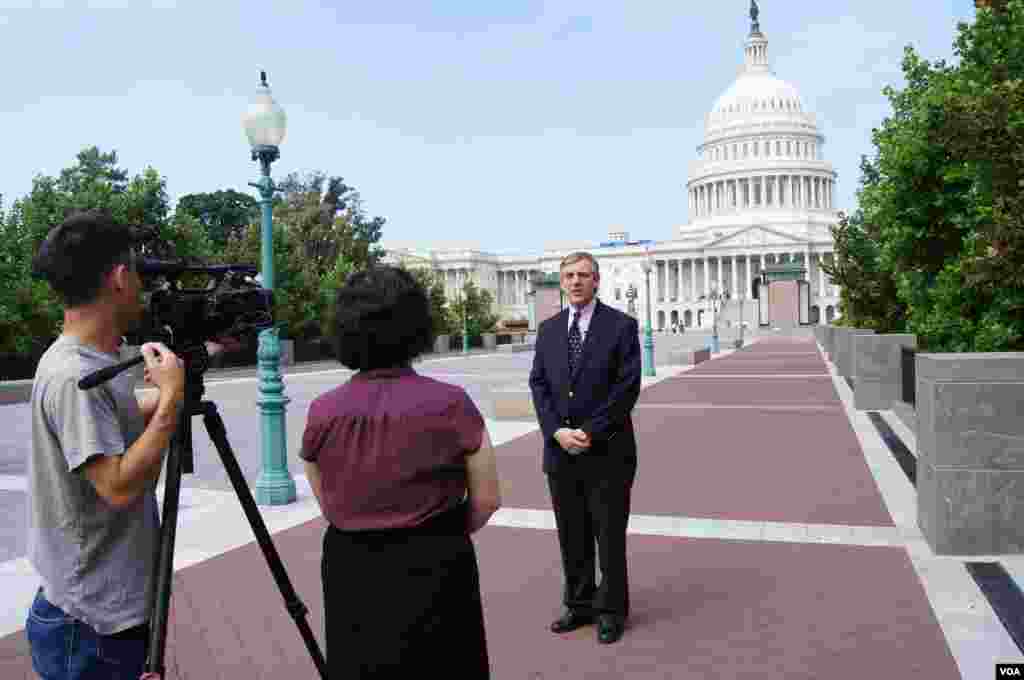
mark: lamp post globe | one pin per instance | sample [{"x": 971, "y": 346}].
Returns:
[
  {"x": 648, "y": 359},
  {"x": 264, "y": 123}
]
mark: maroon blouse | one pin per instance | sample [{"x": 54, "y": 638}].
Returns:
[{"x": 391, "y": 445}]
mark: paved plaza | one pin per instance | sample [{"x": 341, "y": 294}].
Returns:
[{"x": 773, "y": 535}]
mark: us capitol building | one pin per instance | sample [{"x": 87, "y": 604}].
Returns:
[{"x": 759, "y": 193}]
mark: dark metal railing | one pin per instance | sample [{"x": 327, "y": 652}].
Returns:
[{"x": 907, "y": 372}]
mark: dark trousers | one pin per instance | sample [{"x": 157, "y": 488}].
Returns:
[
  {"x": 397, "y": 600},
  {"x": 593, "y": 508}
]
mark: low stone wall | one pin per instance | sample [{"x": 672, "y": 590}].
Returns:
[
  {"x": 876, "y": 366},
  {"x": 970, "y": 452},
  {"x": 843, "y": 341}
]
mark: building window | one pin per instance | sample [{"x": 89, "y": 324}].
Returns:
[
  {"x": 778, "y": 148},
  {"x": 618, "y": 293},
  {"x": 789, "y": 149},
  {"x": 756, "y": 144}
]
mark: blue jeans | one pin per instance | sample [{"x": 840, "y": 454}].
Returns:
[{"x": 64, "y": 648}]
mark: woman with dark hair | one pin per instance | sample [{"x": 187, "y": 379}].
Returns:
[{"x": 404, "y": 472}]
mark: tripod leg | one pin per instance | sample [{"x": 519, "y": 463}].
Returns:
[
  {"x": 218, "y": 434},
  {"x": 163, "y": 569}
]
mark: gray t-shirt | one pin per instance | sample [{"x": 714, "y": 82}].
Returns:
[{"x": 95, "y": 560}]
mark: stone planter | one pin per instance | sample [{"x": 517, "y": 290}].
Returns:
[
  {"x": 441, "y": 343},
  {"x": 490, "y": 340},
  {"x": 876, "y": 369},
  {"x": 970, "y": 458}
]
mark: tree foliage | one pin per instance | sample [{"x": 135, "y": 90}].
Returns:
[
  {"x": 223, "y": 213},
  {"x": 940, "y": 204},
  {"x": 474, "y": 305},
  {"x": 321, "y": 235},
  {"x": 30, "y": 313},
  {"x": 433, "y": 283}
]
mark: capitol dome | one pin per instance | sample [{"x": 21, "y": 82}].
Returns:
[
  {"x": 756, "y": 92},
  {"x": 761, "y": 160}
]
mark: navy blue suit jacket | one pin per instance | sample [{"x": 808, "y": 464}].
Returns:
[{"x": 598, "y": 397}]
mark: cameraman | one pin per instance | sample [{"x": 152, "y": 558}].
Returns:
[{"x": 96, "y": 455}]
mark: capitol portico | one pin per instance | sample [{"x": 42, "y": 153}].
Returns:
[{"x": 759, "y": 192}]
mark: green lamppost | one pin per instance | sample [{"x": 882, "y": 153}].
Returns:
[
  {"x": 648, "y": 333},
  {"x": 264, "y": 125},
  {"x": 465, "y": 324}
]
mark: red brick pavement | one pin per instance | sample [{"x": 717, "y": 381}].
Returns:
[{"x": 702, "y": 608}]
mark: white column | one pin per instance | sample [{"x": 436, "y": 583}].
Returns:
[
  {"x": 821, "y": 276},
  {"x": 735, "y": 276},
  {"x": 721, "y": 276},
  {"x": 707, "y": 275},
  {"x": 693, "y": 278}
]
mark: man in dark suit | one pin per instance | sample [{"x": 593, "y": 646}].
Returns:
[{"x": 585, "y": 382}]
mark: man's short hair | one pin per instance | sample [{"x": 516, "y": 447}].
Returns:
[
  {"x": 573, "y": 258},
  {"x": 78, "y": 253},
  {"x": 382, "y": 319}
]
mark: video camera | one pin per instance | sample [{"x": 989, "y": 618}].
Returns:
[{"x": 231, "y": 304}]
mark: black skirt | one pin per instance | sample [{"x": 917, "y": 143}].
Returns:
[{"x": 403, "y": 602}]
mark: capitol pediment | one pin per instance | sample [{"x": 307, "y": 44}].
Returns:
[{"x": 755, "y": 237}]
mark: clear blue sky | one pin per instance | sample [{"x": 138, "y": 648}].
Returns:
[{"x": 505, "y": 123}]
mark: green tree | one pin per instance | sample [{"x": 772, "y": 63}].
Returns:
[
  {"x": 326, "y": 216},
  {"x": 321, "y": 235},
  {"x": 940, "y": 206},
  {"x": 434, "y": 285},
  {"x": 222, "y": 213},
  {"x": 30, "y": 313},
  {"x": 868, "y": 293},
  {"x": 475, "y": 303}
]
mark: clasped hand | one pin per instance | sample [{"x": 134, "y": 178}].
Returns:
[{"x": 573, "y": 441}]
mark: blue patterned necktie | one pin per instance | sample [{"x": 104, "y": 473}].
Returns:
[{"x": 575, "y": 342}]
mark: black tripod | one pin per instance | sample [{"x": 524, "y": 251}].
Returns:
[{"x": 179, "y": 460}]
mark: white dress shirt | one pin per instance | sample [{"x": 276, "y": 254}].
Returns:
[{"x": 585, "y": 315}]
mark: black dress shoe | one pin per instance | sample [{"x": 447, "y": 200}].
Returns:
[
  {"x": 571, "y": 620},
  {"x": 609, "y": 628}
]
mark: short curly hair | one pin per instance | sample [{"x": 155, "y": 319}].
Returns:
[
  {"x": 79, "y": 252},
  {"x": 382, "y": 319}
]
